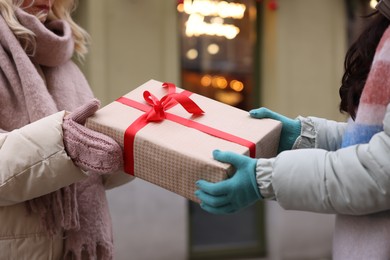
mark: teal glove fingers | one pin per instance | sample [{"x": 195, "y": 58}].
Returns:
[
  {"x": 223, "y": 210},
  {"x": 231, "y": 195},
  {"x": 291, "y": 128},
  {"x": 215, "y": 201}
]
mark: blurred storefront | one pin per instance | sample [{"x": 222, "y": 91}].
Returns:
[
  {"x": 218, "y": 41},
  {"x": 283, "y": 54}
]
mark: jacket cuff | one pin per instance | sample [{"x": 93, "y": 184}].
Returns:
[
  {"x": 307, "y": 139},
  {"x": 264, "y": 169}
]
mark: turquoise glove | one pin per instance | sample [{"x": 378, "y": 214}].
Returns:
[
  {"x": 291, "y": 128},
  {"x": 233, "y": 194}
]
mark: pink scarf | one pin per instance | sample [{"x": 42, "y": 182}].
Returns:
[
  {"x": 32, "y": 88},
  {"x": 367, "y": 237}
]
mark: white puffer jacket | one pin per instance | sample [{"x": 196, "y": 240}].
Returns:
[
  {"x": 34, "y": 163},
  {"x": 354, "y": 180}
]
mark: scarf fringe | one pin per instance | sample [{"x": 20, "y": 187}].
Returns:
[
  {"x": 57, "y": 210},
  {"x": 101, "y": 251}
]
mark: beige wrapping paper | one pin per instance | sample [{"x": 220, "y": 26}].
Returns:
[{"x": 174, "y": 156}]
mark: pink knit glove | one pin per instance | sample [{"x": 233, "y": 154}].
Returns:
[{"x": 90, "y": 150}]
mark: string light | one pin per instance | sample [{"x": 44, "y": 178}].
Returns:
[
  {"x": 215, "y": 8},
  {"x": 220, "y": 82},
  {"x": 218, "y": 11},
  {"x": 192, "y": 54},
  {"x": 196, "y": 26},
  {"x": 236, "y": 85},
  {"x": 213, "y": 48},
  {"x": 205, "y": 81},
  {"x": 373, "y": 3}
]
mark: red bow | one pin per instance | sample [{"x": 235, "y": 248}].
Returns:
[{"x": 157, "y": 112}]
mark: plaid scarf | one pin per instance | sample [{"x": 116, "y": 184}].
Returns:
[
  {"x": 374, "y": 100},
  {"x": 366, "y": 237}
]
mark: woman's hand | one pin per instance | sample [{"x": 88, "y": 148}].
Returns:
[
  {"x": 291, "y": 128},
  {"x": 90, "y": 150},
  {"x": 235, "y": 193}
]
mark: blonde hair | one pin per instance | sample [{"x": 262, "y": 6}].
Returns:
[{"x": 61, "y": 9}]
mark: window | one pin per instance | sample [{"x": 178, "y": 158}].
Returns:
[
  {"x": 219, "y": 44},
  {"x": 218, "y": 40}
]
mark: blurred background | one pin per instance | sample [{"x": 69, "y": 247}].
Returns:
[{"x": 286, "y": 55}]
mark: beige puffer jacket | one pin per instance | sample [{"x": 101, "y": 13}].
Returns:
[{"x": 33, "y": 163}]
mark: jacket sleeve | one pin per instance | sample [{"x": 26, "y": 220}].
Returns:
[
  {"x": 353, "y": 180},
  {"x": 33, "y": 161},
  {"x": 320, "y": 133}
]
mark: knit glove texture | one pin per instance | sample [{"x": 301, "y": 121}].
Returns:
[
  {"x": 231, "y": 195},
  {"x": 291, "y": 128},
  {"x": 90, "y": 150}
]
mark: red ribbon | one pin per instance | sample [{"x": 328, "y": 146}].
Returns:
[{"x": 155, "y": 111}]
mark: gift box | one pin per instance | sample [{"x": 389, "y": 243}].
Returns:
[{"x": 168, "y": 135}]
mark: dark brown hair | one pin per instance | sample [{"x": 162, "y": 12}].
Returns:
[{"x": 358, "y": 62}]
